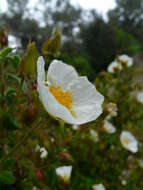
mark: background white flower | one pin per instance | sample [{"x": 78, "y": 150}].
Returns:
[
  {"x": 64, "y": 172},
  {"x": 98, "y": 187},
  {"x": 119, "y": 62},
  {"x": 128, "y": 141},
  {"x": 65, "y": 95},
  {"x": 114, "y": 67},
  {"x": 43, "y": 152},
  {"x": 109, "y": 127},
  {"x": 112, "y": 109},
  {"x": 140, "y": 97},
  {"x": 125, "y": 59},
  {"x": 94, "y": 135}
]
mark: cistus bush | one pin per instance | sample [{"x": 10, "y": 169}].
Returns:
[{"x": 59, "y": 131}]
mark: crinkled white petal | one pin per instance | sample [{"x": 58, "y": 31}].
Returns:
[
  {"x": 61, "y": 74},
  {"x": 53, "y": 107},
  {"x": 40, "y": 69},
  {"x": 98, "y": 187},
  {"x": 87, "y": 101},
  {"x": 140, "y": 97},
  {"x": 132, "y": 144},
  {"x": 113, "y": 66},
  {"x": 127, "y": 59},
  {"x": 108, "y": 127},
  {"x": 64, "y": 171}
]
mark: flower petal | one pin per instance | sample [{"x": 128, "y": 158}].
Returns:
[
  {"x": 140, "y": 97},
  {"x": 52, "y": 106},
  {"x": 113, "y": 66},
  {"x": 98, "y": 187},
  {"x": 61, "y": 74},
  {"x": 40, "y": 69},
  {"x": 126, "y": 58},
  {"x": 64, "y": 171},
  {"x": 109, "y": 127},
  {"x": 132, "y": 144},
  {"x": 87, "y": 102}
]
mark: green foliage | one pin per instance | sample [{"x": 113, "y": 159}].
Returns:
[
  {"x": 8, "y": 122},
  {"x": 24, "y": 123},
  {"x": 80, "y": 62},
  {"x": 4, "y": 53},
  {"x": 6, "y": 177},
  {"x": 27, "y": 66},
  {"x": 127, "y": 14},
  {"x": 126, "y": 42},
  {"x": 99, "y": 43}
]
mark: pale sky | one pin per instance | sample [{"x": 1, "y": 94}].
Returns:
[{"x": 102, "y": 6}]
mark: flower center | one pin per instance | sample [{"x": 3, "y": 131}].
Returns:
[
  {"x": 64, "y": 98},
  {"x": 126, "y": 141}
]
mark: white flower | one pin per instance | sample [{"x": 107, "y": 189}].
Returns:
[
  {"x": 94, "y": 135},
  {"x": 65, "y": 95},
  {"x": 35, "y": 188},
  {"x": 112, "y": 109},
  {"x": 108, "y": 127},
  {"x": 125, "y": 59},
  {"x": 140, "y": 97},
  {"x": 52, "y": 139},
  {"x": 117, "y": 64},
  {"x": 64, "y": 173},
  {"x": 128, "y": 141},
  {"x": 98, "y": 187},
  {"x": 75, "y": 127},
  {"x": 114, "y": 67},
  {"x": 124, "y": 182},
  {"x": 43, "y": 152}
]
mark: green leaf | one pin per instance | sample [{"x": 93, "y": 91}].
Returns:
[
  {"x": 6, "y": 177},
  {"x": 15, "y": 60},
  {"x": 25, "y": 185},
  {"x": 14, "y": 77},
  {"x": 52, "y": 45},
  {"x": 10, "y": 92},
  {"x": 9, "y": 163},
  {"x": 5, "y": 52},
  {"x": 8, "y": 122}
]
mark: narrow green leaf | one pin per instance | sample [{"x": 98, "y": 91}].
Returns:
[{"x": 5, "y": 52}]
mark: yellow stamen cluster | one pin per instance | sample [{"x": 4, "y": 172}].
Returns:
[
  {"x": 64, "y": 98},
  {"x": 126, "y": 141}
]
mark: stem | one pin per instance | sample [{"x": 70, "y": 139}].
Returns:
[
  {"x": 62, "y": 127},
  {"x": 2, "y": 81},
  {"x": 22, "y": 141},
  {"x": 61, "y": 133}
]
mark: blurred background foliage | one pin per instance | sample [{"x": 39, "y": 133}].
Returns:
[{"x": 83, "y": 32}]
